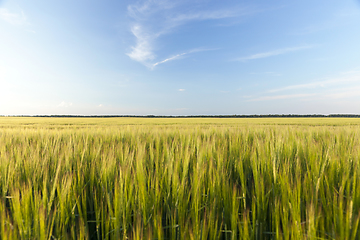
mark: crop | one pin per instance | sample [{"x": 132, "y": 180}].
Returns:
[{"x": 125, "y": 178}]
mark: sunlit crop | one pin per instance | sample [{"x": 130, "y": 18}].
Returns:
[{"x": 132, "y": 178}]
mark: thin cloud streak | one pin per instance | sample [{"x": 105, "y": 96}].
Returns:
[
  {"x": 331, "y": 89},
  {"x": 339, "y": 19},
  {"x": 140, "y": 11},
  {"x": 170, "y": 59},
  {"x": 344, "y": 94},
  {"x": 333, "y": 95},
  {"x": 319, "y": 84},
  {"x": 274, "y": 53},
  {"x": 13, "y": 18},
  {"x": 277, "y": 97},
  {"x": 155, "y": 18},
  {"x": 208, "y": 15},
  {"x": 348, "y": 92},
  {"x": 275, "y": 74},
  {"x": 180, "y": 55}
]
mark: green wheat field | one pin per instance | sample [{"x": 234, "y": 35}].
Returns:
[{"x": 172, "y": 178}]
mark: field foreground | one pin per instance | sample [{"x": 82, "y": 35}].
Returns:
[{"x": 133, "y": 178}]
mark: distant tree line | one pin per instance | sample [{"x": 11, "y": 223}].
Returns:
[{"x": 198, "y": 116}]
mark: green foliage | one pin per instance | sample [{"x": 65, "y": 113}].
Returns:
[{"x": 179, "y": 178}]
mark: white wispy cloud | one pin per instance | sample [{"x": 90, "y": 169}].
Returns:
[
  {"x": 170, "y": 59},
  {"x": 341, "y": 18},
  {"x": 274, "y": 53},
  {"x": 344, "y": 93},
  {"x": 317, "y": 84},
  {"x": 277, "y": 97},
  {"x": 206, "y": 15},
  {"x": 351, "y": 72},
  {"x": 316, "y": 28},
  {"x": 344, "y": 86},
  {"x": 332, "y": 94},
  {"x": 64, "y": 104},
  {"x": 152, "y": 19},
  {"x": 177, "y": 56},
  {"x": 142, "y": 51},
  {"x": 181, "y": 90},
  {"x": 275, "y": 74},
  {"x": 141, "y": 10},
  {"x": 13, "y": 18}
]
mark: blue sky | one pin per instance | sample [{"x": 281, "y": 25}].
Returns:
[{"x": 183, "y": 57}]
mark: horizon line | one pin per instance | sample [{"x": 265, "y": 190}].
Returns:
[{"x": 345, "y": 115}]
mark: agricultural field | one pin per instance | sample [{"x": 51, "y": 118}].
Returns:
[{"x": 171, "y": 178}]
